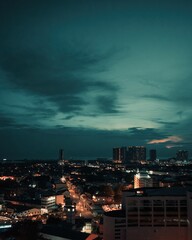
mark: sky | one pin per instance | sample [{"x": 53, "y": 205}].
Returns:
[{"x": 90, "y": 75}]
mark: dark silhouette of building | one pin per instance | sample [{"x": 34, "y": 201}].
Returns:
[
  {"x": 136, "y": 154},
  {"x": 182, "y": 155},
  {"x": 133, "y": 154},
  {"x": 120, "y": 154},
  {"x": 153, "y": 154},
  {"x": 61, "y": 154}
]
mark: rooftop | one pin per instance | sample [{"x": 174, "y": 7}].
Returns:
[
  {"x": 117, "y": 214},
  {"x": 173, "y": 191},
  {"x": 64, "y": 232}
]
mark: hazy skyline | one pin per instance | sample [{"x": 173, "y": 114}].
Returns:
[{"x": 88, "y": 75}]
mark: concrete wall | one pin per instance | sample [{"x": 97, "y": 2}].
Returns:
[
  {"x": 189, "y": 214},
  {"x": 108, "y": 228},
  {"x": 59, "y": 199},
  {"x": 112, "y": 230}
]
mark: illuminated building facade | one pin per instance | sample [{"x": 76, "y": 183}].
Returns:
[
  {"x": 142, "y": 179},
  {"x": 48, "y": 202}
]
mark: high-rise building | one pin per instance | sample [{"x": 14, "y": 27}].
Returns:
[
  {"x": 142, "y": 179},
  {"x": 182, "y": 155},
  {"x": 61, "y": 154},
  {"x": 116, "y": 154},
  {"x": 136, "y": 154},
  {"x": 119, "y": 154},
  {"x": 153, "y": 154}
]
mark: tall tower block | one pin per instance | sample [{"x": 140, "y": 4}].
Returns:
[{"x": 61, "y": 154}]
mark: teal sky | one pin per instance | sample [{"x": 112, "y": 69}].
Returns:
[{"x": 89, "y": 75}]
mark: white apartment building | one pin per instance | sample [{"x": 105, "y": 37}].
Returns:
[
  {"x": 48, "y": 202},
  {"x": 151, "y": 214},
  {"x": 142, "y": 179}
]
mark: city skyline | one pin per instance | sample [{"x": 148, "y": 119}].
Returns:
[{"x": 87, "y": 76}]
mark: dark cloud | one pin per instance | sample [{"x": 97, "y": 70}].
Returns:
[
  {"x": 68, "y": 117},
  {"x": 107, "y": 104},
  {"x": 182, "y": 92},
  {"x": 167, "y": 124},
  {"x": 10, "y": 123},
  {"x": 145, "y": 134},
  {"x": 40, "y": 110},
  {"x": 60, "y": 79},
  {"x": 6, "y": 121}
]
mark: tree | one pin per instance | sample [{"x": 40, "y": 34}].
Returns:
[{"x": 107, "y": 191}]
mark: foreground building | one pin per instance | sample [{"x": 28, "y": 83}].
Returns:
[{"x": 151, "y": 213}]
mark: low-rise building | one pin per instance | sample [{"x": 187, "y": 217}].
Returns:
[{"x": 48, "y": 202}]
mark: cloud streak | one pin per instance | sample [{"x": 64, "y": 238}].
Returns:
[{"x": 174, "y": 139}]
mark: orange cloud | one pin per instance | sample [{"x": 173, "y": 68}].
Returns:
[{"x": 174, "y": 139}]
